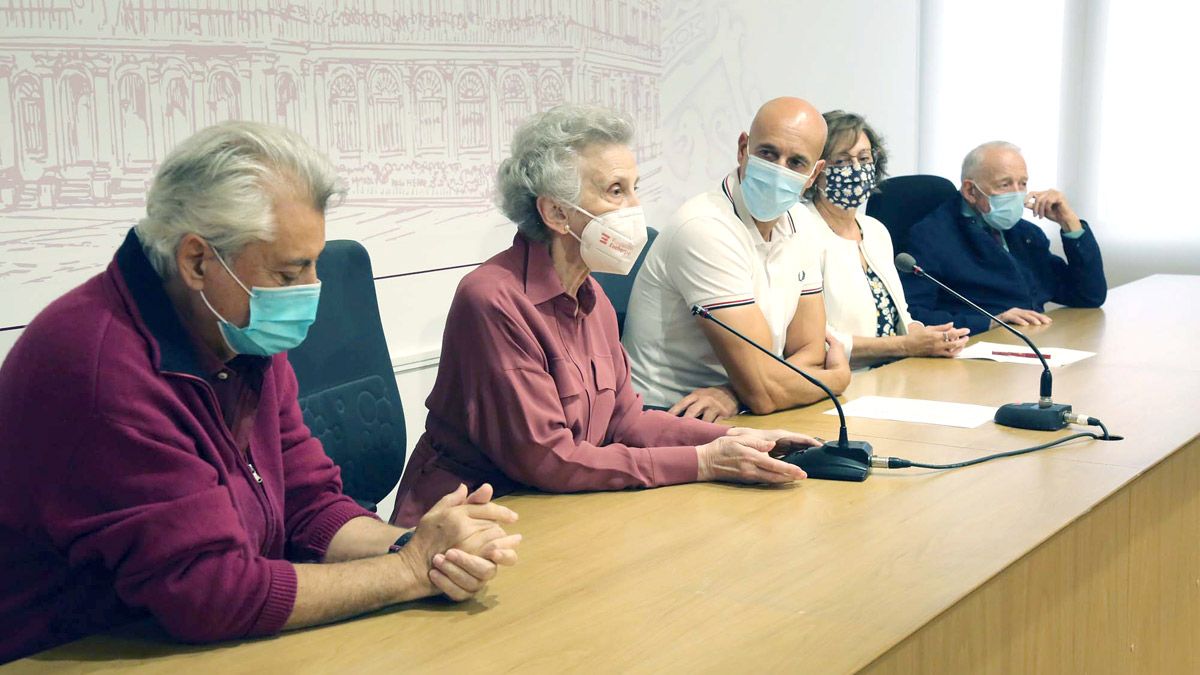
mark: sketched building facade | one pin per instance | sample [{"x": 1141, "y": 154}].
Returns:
[{"x": 412, "y": 99}]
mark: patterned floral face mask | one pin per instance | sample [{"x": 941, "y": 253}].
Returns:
[{"x": 848, "y": 187}]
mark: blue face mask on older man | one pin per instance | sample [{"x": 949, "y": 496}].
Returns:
[
  {"x": 1006, "y": 208},
  {"x": 279, "y": 317},
  {"x": 769, "y": 189}
]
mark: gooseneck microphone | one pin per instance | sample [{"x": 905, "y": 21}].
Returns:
[
  {"x": 1045, "y": 415},
  {"x": 844, "y": 460}
]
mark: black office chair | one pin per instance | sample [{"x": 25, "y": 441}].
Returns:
[
  {"x": 347, "y": 385},
  {"x": 618, "y": 287},
  {"x": 903, "y": 201}
]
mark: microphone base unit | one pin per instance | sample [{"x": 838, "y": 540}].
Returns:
[
  {"x": 1034, "y": 416},
  {"x": 832, "y": 461}
]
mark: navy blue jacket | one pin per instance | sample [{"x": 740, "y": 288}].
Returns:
[{"x": 961, "y": 253}]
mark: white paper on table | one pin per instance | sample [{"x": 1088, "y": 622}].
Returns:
[
  {"x": 1056, "y": 357},
  {"x": 966, "y": 415}
]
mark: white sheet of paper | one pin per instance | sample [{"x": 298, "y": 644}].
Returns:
[
  {"x": 966, "y": 415},
  {"x": 1056, "y": 357}
]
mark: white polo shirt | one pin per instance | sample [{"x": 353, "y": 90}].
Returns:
[{"x": 711, "y": 254}]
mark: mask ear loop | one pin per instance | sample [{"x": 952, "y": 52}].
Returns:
[
  {"x": 235, "y": 279},
  {"x": 584, "y": 212},
  {"x": 986, "y": 197},
  {"x": 212, "y": 309},
  {"x": 224, "y": 322},
  {"x": 230, "y": 271}
]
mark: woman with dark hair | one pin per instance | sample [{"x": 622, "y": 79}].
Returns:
[{"x": 864, "y": 301}]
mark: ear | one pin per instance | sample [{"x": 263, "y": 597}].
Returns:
[
  {"x": 553, "y": 214},
  {"x": 817, "y": 172},
  {"x": 189, "y": 261},
  {"x": 970, "y": 194},
  {"x": 743, "y": 147}
]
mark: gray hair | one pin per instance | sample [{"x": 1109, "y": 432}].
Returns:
[
  {"x": 220, "y": 184},
  {"x": 974, "y": 158},
  {"x": 545, "y": 160}
]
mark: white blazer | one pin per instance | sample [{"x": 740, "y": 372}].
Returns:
[{"x": 849, "y": 305}]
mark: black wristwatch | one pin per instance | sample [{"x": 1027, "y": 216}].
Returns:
[{"x": 401, "y": 541}]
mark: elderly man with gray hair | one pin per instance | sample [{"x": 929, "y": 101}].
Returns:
[
  {"x": 533, "y": 388},
  {"x": 154, "y": 456},
  {"x": 978, "y": 244}
]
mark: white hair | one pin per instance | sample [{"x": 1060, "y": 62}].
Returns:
[
  {"x": 545, "y": 160},
  {"x": 220, "y": 184},
  {"x": 974, "y": 158}
]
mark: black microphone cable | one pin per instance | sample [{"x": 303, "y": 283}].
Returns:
[{"x": 880, "y": 462}]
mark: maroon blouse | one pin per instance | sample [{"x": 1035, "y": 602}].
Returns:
[{"x": 533, "y": 391}]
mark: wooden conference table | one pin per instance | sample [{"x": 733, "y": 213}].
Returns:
[{"x": 1084, "y": 558}]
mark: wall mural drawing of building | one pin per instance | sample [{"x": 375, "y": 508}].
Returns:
[{"x": 415, "y": 102}]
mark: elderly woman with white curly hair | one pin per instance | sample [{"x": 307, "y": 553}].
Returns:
[{"x": 533, "y": 390}]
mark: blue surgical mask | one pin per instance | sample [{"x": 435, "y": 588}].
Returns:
[
  {"x": 279, "y": 317},
  {"x": 769, "y": 189},
  {"x": 1006, "y": 209}
]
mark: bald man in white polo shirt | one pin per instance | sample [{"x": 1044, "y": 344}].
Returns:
[{"x": 733, "y": 251}]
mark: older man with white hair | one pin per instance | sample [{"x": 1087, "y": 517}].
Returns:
[
  {"x": 978, "y": 244},
  {"x": 154, "y": 456}
]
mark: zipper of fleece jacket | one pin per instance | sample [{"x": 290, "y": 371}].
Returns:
[{"x": 245, "y": 460}]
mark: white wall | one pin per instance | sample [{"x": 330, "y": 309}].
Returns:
[
  {"x": 971, "y": 95},
  {"x": 1142, "y": 56},
  {"x": 722, "y": 60}
]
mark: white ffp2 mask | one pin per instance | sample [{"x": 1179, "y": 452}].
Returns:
[{"x": 612, "y": 242}]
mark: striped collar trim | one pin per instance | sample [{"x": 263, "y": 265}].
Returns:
[{"x": 733, "y": 192}]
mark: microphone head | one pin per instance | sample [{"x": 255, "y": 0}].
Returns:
[
  {"x": 906, "y": 263},
  {"x": 697, "y": 310}
]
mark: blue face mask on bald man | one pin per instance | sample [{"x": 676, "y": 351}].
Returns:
[{"x": 770, "y": 189}]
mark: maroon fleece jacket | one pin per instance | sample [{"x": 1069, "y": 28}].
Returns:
[{"x": 122, "y": 492}]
